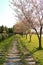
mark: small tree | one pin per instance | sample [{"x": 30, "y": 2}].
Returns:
[{"x": 21, "y": 28}]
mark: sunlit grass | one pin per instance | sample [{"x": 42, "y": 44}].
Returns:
[{"x": 32, "y": 47}]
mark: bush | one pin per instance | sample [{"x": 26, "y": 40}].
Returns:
[
  {"x": 3, "y": 36},
  {"x": 10, "y": 34}
]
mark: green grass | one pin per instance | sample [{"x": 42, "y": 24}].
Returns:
[
  {"x": 4, "y": 47},
  {"x": 32, "y": 47},
  {"x": 21, "y": 49}
]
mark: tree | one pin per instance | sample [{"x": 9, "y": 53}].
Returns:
[
  {"x": 21, "y": 28},
  {"x": 5, "y": 30},
  {"x": 10, "y": 30},
  {"x": 1, "y": 29},
  {"x": 32, "y": 12}
]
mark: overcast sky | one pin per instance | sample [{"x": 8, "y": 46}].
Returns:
[{"x": 6, "y": 16}]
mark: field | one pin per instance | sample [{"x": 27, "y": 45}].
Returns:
[
  {"x": 4, "y": 48},
  {"x": 32, "y": 47}
]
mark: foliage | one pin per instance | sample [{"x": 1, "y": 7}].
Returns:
[
  {"x": 1, "y": 29},
  {"x": 5, "y": 32},
  {"x": 10, "y": 30}
]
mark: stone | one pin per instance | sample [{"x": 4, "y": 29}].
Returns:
[{"x": 31, "y": 63}]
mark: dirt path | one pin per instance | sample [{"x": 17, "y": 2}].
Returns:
[{"x": 13, "y": 57}]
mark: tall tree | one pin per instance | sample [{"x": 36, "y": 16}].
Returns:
[
  {"x": 10, "y": 30},
  {"x": 32, "y": 12},
  {"x": 5, "y": 29},
  {"x": 1, "y": 29}
]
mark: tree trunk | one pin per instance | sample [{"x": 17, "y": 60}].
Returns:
[
  {"x": 40, "y": 38},
  {"x": 40, "y": 43},
  {"x": 26, "y": 36},
  {"x": 30, "y": 37}
]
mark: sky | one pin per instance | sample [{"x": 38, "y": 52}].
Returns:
[{"x": 6, "y": 14}]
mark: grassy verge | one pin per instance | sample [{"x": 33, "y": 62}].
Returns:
[
  {"x": 32, "y": 47},
  {"x": 4, "y": 47},
  {"x": 20, "y": 47}
]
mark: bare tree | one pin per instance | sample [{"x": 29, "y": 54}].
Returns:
[{"x": 32, "y": 12}]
